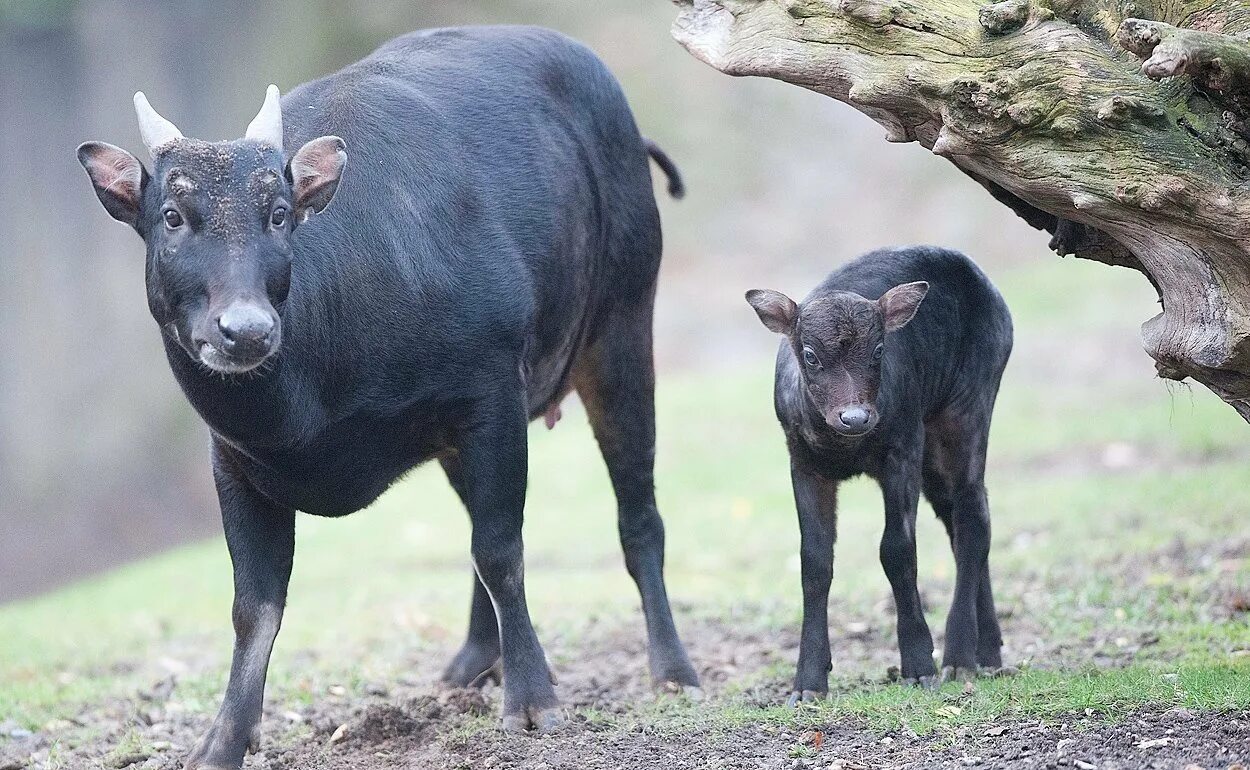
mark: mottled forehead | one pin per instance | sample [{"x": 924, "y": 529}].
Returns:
[
  {"x": 840, "y": 318},
  {"x": 227, "y": 182}
]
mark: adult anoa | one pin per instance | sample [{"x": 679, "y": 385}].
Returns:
[
  {"x": 890, "y": 368},
  {"x": 409, "y": 260}
]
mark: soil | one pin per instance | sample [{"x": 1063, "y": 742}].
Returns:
[{"x": 420, "y": 726}]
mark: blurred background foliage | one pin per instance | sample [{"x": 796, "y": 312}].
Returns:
[{"x": 101, "y": 460}]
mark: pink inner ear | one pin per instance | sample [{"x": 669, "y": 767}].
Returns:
[
  {"x": 316, "y": 164},
  {"x": 775, "y": 309},
  {"x": 320, "y": 161},
  {"x": 899, "y": 304},
  {"x": 117, "y": 172}
]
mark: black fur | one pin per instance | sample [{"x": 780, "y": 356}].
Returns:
[
  {"x": 493, "y": 243},
  {"x": 937, "y": 381}
]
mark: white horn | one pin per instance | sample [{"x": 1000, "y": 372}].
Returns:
[
  {"x": 154, "y": 129},
  {"x": 267, "y": 125}
]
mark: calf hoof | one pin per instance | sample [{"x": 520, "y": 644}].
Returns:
[
  {"x": 805, "y": 697},
  {"x": 1000, "y": 671},
  {"x": 958, "y": 674},
  {"x": 534, "y": 718}
]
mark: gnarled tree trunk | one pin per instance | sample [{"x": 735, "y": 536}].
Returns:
[{"x": 1119, "y": 126}]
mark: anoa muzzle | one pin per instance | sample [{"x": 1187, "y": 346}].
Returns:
[{"x": 218, "y": 220}]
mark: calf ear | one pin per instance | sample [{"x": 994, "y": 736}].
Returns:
[
  {"x": 776, "y": 310},
  {"x": 118, "y": 178},
  {"x": 315, "y": 171},
  {"x": 900, "y": 304}
]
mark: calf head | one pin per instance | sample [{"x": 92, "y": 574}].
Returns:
[
  {"x": 839, "y": 340},
  {"x": 217, "y": 219}
]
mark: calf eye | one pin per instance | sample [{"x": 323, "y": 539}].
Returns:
[
  {"x": 809, "y": 357},
  {"x": 278, "y": 217},
  {"x": 173, "y": 220},
  {"x": 880, "y": 351}
]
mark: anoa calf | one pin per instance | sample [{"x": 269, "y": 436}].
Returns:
[
  {"x": 890, "y": 368},
  {"x": 493, "y": 243}
]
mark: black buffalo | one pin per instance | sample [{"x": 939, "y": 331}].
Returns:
[
  {"x": 890, "y": 368},
  {"x": 493, "y": 243}
]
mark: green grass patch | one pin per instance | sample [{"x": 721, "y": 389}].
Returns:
[{"x": 1117, "y": 514}]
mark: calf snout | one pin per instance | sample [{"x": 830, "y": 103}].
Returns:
[{"x": 853, "y": 420}]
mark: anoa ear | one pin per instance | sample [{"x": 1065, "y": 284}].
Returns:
[
  {"x": 118, "y": 178},
  {"x": 899, "y": 305},
  {"x": 777, "y": 311},
  {"x": 315, "y": 172}
]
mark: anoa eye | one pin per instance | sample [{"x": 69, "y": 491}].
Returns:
[
  {"x": 878, "y": 351},
  {"x": 278, "y": 217},
  {"x": 809, "y": 357},
  {"x": 173, "y": 220}
]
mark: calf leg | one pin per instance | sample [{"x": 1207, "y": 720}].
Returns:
[
  {"x": 616, "y": 382},
  {"x": 900, "y": 486},
  {"x": 971, "y": 538},
  {"x": 261, "y": 540},
  {"x": 478, "y": 659},
  {"x": 493, "y": 452},
  {"x": 989, "y": 636},
  {"x": 955, "y": 484},
  {"x": 816, "y": 500}
]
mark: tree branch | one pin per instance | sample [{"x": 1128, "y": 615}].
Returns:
[{"x": 1039, "y": 103}]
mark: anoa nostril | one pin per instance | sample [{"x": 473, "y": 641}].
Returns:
[
  {"x": 245, "y": 324},
  {"x": 855, "y": 417}
]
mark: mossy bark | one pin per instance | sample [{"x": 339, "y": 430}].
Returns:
[{"x": 1050, "y": 106}]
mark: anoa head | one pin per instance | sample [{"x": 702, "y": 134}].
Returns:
[{"x": 218, "y": 220}]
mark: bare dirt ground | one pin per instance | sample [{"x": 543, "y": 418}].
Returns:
[{"x": 417, "y": 725}]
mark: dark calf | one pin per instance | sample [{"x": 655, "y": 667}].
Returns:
[
  {"x": 493, "y": 243},
  {"x": 902, "y": 388}
]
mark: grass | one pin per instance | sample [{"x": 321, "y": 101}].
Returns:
[
  {"x": 1118, "y": 508},
  {"x": 1031, "y": 695}
]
